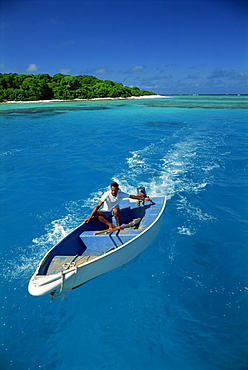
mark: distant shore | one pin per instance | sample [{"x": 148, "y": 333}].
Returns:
[{"x": 71, "y": 100}]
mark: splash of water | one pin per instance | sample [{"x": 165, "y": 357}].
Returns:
[{"x": 161, "y": 171}]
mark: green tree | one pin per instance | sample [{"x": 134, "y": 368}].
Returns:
[
  {"x": 88, "y": 80},
  {"x": 135, "y": 91},
  {"x": 1, "y": 94},
  {"x": 145, "y": 92},
  {"x": 70, "y": 82},
  {"x": 7, "y": 80},
  {"x": 36, "y": 89},
  {"x": 83, "y": 93},
  {"x": 60, "y": 86},
  {"x": 109, "y": 82},
  {"x": 20, "y": 78},
  {"x": 102, "y": 90},
  {"x": 119, "y": 90},
  {"x": 19, "y": 95},
  {"x": 58, "y": 92},
  {"x": 44, "y": 77},
  {"x": 57, "y": 78}
]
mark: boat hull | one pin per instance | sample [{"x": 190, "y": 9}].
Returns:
[
  {"x": 77, "y": 275},
  {"x": 117, "y": 257}
]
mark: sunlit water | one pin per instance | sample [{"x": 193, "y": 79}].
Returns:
[{"x": 182, "y": 303}]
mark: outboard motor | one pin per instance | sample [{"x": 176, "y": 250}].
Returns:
[{"x": 141, "y": 192}]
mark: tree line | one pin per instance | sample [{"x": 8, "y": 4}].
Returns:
[{"x": 25, "y": 87}]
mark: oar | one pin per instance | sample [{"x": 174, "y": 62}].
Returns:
[{"x": 109, "y": 231}]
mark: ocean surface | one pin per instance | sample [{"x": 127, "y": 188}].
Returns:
[{"x": 182, "y": 303}]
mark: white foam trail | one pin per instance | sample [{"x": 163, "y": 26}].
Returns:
[
  {"x": 162, "y": 170},
  {"x": 166, "y": 174},
  {"x": 31, "y": 255},
  {"x": 56, "y": 231},
  {"x": 10, "y": 152},
  {"x": 185, "y": 231},
  {"x": 175, "y": 171}
]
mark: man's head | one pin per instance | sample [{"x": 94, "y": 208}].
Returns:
[{"x": 114, "y": 188}]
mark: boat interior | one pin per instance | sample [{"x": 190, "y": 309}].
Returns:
[{"x": 85, "y": 243}]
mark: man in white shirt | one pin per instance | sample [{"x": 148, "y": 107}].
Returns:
[{"x": 110, "y": 200}]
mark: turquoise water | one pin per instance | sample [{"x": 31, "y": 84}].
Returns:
[{"x": 182, "y": 303}]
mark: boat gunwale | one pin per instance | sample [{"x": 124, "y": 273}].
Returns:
[
  {"x": 114, "y": 250},
  {"x": 128, "y": 242}
]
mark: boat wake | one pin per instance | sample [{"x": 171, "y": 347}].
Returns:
[{"x": 162, "y": 170}]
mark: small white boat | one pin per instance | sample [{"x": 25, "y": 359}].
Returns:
[{"x": 90, "y": 250}]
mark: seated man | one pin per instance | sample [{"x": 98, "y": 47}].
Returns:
[{"x": 111, "y": 199}]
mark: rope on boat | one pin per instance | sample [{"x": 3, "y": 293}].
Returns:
[
  {"x": 133, "y": 223},
  {"x": 70, "y": 264},
  {"x": 65, "y": 266}
]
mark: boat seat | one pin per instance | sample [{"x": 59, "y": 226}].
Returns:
[{"x": 102, "y": 243}]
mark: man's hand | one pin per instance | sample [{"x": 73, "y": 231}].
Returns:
[{"x": 93, "y": 212}]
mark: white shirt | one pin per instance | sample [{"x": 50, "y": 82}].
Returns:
[{"x": 110, "y": 201}]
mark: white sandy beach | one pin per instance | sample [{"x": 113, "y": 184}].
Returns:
[{"x": 63, "y": 100}]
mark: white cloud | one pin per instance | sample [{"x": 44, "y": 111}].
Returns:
[
  {"x": 100, "y": 71},
  {"x": 32, "y": 68},
  {"x": 64, "y": 71},
  {"x": 135, "y": 69}
]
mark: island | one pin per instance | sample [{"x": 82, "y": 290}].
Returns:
[{"x": 29, "y": 87}]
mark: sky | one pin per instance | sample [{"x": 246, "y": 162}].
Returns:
[{"x": 164, "y": 46}]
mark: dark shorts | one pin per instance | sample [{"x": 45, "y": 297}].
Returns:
[{"x": 108, "y": 214}]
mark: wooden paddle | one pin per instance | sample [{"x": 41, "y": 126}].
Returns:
[{"x": 135, "y": 222}]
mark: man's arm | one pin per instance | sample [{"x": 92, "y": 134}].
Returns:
[
  {"x": 94, "y": 211},
  {"x": 139, "y": 198}
]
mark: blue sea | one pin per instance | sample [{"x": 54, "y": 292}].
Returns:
[{"x": 182, "y": 303}]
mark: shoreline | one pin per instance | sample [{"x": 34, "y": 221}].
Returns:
[{"x": 75, "y": 100}]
